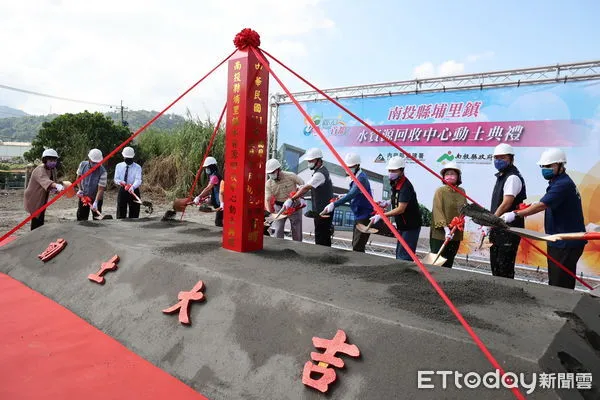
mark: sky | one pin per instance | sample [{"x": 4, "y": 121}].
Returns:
[{"x": 147, "y": 52}]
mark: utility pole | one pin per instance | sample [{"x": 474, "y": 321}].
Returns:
[{"x": 123, "y": 122}]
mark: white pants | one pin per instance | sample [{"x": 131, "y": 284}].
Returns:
[{"x": 295, "y": 222}]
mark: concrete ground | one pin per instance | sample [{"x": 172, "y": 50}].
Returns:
[{"x": 252, "y": 336}]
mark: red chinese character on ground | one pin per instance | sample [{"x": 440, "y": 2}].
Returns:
[
  {"x": 52, "y": 250},
  {"x": 332, "y": 347},
  {"x": 110, "y": 265},
  {"x": 184, "y": 302}
]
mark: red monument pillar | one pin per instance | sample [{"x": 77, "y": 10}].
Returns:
[{"x": 245, "y": 147}]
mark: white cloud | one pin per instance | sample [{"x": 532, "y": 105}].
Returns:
[
  {"x": 449, "y": 67},
  {"x": 425, "y": 70},
  {"x": 486, "y": 55},
  {"x": 144, "y": 52}
]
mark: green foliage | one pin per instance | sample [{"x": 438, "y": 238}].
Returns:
[
  {"x": 22, "y": 129},
  {"x": 179, "y": 153},
  {"x": 26, "y": 128},
  {"x": 138, "y": 118},
  {"x": 426, "y": 215},
  {"x": 73, "y": 135}
]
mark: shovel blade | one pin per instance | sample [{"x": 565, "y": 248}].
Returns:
[
  {"x": 362, "y": 228},
  {"x": 431, "y": 257}
]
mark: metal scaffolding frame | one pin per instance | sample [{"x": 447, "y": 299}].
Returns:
[{"x": 558, "y": 73}]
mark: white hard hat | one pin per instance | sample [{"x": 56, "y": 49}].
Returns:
[
  {"x": 128, "y": 152},
  {"x": 396, "y": 163},
  {"x": 504, "y": 148},
  {"x": 313, "y": 153},
  {"x": 352, "y": 159},
  {"x": 272, "y": 165},
  {"x": 95, "y": 155},
  {"x": 209, "y": 161},
  {"x": 50, "y": 153},
  {"x": 450, "y": 165},
  {"x": 551, "y": 156}
]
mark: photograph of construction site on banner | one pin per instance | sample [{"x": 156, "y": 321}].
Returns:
[{"x": 462, "y": 126}]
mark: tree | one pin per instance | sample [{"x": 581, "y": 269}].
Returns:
[{"x": 73, "y": 135}]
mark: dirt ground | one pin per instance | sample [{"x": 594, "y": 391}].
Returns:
[{"x": 65, "y": 209}]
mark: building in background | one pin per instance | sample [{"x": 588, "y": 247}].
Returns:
[
  {"x": 343, "y": 217},
  {"x": 12, "y": 150}
]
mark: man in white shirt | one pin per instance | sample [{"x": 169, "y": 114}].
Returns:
[
  {"x": 128, "y": 176},
  {"x": 509, "y": 193}
]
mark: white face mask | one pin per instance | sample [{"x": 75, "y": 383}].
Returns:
[
  {"x": 312, "y": 164},
  {"x": 273, "y": 176}
]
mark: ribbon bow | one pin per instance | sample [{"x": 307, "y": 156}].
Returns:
[{"x": 458, "y": 223}]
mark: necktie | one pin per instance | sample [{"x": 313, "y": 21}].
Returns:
[{"x": 126, "y": 172}]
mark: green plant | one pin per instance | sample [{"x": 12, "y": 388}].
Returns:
[
  {"x": 173, "y": 158},
  {"x": 426, "y": 215}
]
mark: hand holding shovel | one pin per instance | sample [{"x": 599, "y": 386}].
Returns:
[{"x": 437, "y": 259}]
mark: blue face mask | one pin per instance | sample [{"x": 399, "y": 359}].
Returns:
[
  {"x": 393, "y": 176},
  {"x": 501, "y": 164},
  {"x": 208, "y": 171},
  {"x": 547, "y": 173}
]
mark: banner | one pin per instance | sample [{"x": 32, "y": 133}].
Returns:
[{"x": 465, "y": 126}]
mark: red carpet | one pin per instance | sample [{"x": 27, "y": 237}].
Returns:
[{"x": 47, "y": 352}]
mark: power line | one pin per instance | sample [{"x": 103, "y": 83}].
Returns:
[{"x": 56, "y": 97}]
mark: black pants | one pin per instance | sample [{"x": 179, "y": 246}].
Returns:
[
  {"x": 126, "y": 200},
  {"x": 503, "y": 253},
  {"x": 359, "y": 239},
  {"x": 38, "y": 221},
  {"x": 83, "y": 212},
  {"x": 219, "y": 218},
  {"x": 323, "y": 231},
  {"x": 449, "y": 251},
  {"x": 568, "y": 257}
]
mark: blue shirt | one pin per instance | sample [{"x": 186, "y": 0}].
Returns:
[
  {"x": 134, "y": 174},
  {"x": 359, "y": 204},
  {"x": 564, "y": 213}
]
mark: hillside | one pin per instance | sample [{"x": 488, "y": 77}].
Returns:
[
  {"x": 8, "y": 112},
  {"x": 25, "y": 128}
]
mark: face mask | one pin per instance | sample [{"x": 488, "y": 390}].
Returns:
[
  {"x": 451, "y": 179},
  {"x": 273, "y": 176},
  {"x": 129, "y": 161},
  {"x": 51, "y": 164},
  {"x": 393, "y": 176},
  {"x": 208, "y": 171},
  {"x": 312, "y": 165},
  {"x": 548, "y": 173},
  {"x": 500, "y": 164}
]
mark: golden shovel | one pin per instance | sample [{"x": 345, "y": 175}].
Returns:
[
  {"x": 366, "y": 229},
  {"x": 437, "y": 259}
]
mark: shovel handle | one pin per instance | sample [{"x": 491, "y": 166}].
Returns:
[{"x": 444, "y": 245}]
